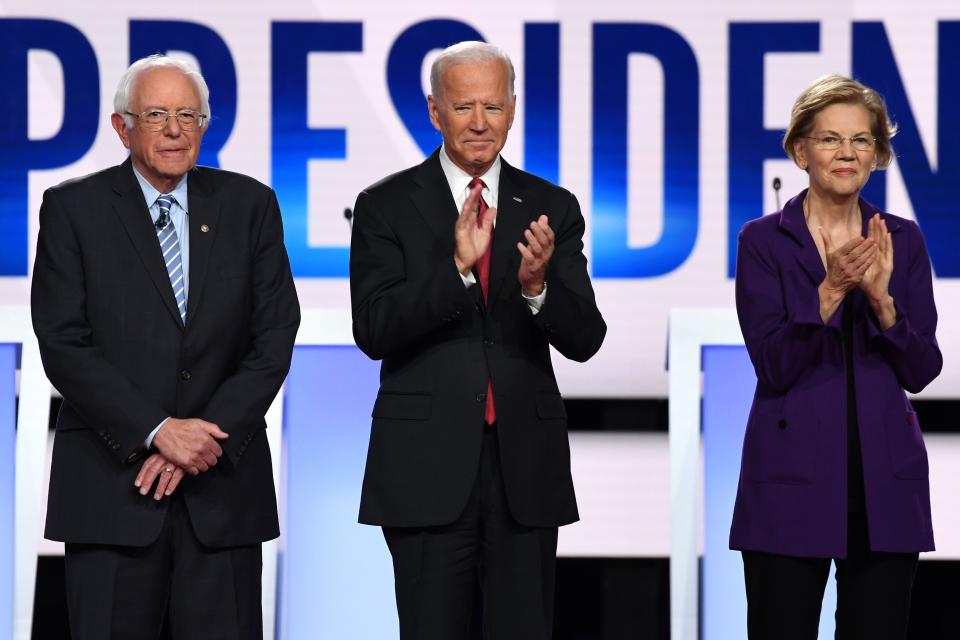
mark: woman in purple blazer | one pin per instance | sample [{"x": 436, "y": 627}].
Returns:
[{"x": 835, "y": 302}]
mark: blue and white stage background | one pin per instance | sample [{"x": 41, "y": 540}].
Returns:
[{"x": 664, "y": 118}]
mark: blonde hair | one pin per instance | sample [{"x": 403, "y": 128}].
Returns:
[{"x": 835, "y": 89}]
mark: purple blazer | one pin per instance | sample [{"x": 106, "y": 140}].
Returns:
[{"x": 792, "y": 495}]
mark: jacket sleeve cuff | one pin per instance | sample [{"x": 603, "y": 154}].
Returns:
[
  {"x": 809, "y": 314},
  {"x": 897, "y": 336}
]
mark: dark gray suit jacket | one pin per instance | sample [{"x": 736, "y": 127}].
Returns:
[
  {"x": 113, "y": 344},
  {"x": 440, "y": 344}
]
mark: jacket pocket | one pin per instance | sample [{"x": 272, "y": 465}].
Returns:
[
  {"x": 403, "y": 406},
  {"x": 908, "y": 454}
]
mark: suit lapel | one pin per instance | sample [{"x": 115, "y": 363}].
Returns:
[
  {"x": 794, "y": 224},
  {"x": 434, "y": 200},
  {"x": 513, "y": 216},
  {"x": 134, "y": 215},
  {"x": 204, "y": 213},
  {"x": 867, "y": 211}
]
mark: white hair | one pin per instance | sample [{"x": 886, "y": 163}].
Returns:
[
  {"x": 469, "y": 52},
  {"x": 121, "y": 99}
]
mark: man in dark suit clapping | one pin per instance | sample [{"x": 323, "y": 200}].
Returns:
[{"x": 468, "y": 470}]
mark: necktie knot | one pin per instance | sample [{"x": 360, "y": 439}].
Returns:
[
  {"x": 481, "y": 203},
  {"x": 165, "y": 202}
]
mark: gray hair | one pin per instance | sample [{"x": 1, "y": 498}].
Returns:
[
  {"x": 469, "y": 52},
  {"x": 121, "y": 99}
]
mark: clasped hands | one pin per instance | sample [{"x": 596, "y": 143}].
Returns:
[
  {"x": 862, "y": 262},
  {"x": 473, "y": 239},
  {"x": 183, "y": 446}
]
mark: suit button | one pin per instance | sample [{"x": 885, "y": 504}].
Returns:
[
  {"x": 115, "y": 446},
  {"x": 782, "y": 424},
  {"x": 481, "y": 397},
  {"x": 488, "y": 342},
  {"x": 185, "y": 375}
]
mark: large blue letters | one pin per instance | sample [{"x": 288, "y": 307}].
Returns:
[
  {"x": 294, "y": 143},
  {"x": 929, "y": 181},
  {"x": 81, "y": 104},
  {"x": 932, "y": 191},
  {"x": 541, "y": 126},
  {"x": 612, "y": 45},
  {"x": 750, "y": 142}
]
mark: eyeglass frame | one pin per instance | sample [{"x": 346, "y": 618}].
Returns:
[
  {"x": 870, "y": 140},
  {"x": 200, "y": 116}
]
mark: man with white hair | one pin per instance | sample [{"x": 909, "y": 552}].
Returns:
[
  {"x": 468, "y": 470},
  {"x": 165, "y": 309}
]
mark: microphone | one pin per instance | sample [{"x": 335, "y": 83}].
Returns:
[
  {"x": 348, "y": 216},
  {"x": 776, "y": 191},
  {"x": 162, "y": 221}
]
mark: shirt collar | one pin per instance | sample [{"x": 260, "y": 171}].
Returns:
[
  {"x": 150, "y": 194},
  {"x": 459, "y": 180}
]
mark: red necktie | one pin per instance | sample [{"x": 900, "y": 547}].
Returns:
[{"x": 483, "y": 270}]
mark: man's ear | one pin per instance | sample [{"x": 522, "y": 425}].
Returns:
[
  {"x": 432, "y": 108},
  {"x": 121, "y": 128}
]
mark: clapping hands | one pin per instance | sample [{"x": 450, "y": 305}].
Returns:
[
  {"x": 864, "y": 262},
  {"x": 861, "y": 262}
]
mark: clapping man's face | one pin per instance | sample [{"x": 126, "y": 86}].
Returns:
[{"x": 474, "y": 112}]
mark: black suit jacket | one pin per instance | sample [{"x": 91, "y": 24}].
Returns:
[
  {"x": 113, "y": 344},
  {"x": 439, "y": 344}
]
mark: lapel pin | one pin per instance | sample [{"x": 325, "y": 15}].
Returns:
[
  {"x": 204, "y": 228},
  {"x": 517, "y": 199}
]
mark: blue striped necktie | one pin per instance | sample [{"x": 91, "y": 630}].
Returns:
[{"x": 170, "y": 247}]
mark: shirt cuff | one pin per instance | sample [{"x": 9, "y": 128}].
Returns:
[
  {"x": 149, "y": 440},
  {"x": 468, "y": 280},
  {"x": 536, "y": 301}
]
